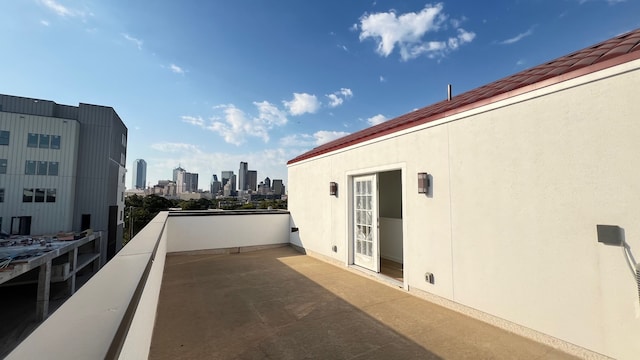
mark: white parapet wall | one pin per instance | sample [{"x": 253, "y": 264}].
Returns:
[
  {"x": 113, "y": 314},
  {"x": 210, "y": 230}
]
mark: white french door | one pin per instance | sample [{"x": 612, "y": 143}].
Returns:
[{"x": 365, "y": 222}]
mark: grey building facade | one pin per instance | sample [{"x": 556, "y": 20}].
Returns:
[{"x": 64, "y": 169}]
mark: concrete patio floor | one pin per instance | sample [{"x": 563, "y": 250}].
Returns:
[{"x": 280, "y": 304}]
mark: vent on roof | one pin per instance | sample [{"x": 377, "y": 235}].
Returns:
[{"x": 449, "y": 92}]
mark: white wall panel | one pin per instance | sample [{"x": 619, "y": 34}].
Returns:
[{"x": 518, "y": 188}]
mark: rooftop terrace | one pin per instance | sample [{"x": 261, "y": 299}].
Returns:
[
  {"x": 280, "y": 304},
  {"x": 200, "y": 285}
]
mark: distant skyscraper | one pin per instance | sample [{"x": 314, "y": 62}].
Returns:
[
  {"x": 139, "y": 179},
  {"x": 252, "y": 179},
  {"x": 216, "y": 186},
  {"x": 185, "y": 181},
  {"x": 229, "y": 178},
  {"x": 278, "y": 187},
  {"x": 175, "y": 173},
  {"x": 267, "y": 183},
  {"x": 242, "y": 176},
  {"x": 226, "y": 177}
]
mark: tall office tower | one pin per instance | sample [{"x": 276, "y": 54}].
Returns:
[
  {"x": 233, "y": 185},
  {"x": 180, "y": 178},
  {"x": 191, "y": 182},
  {"x": 242, "y": 176},
  {"x": 62, "y": 168},
  {"x": 139, "y": 174},
  {"x": 267, "y": 183},
  {"x": 252, "y": 180},
  {"x": 226, "y": 177},
  {"x": 278, "y": 187},
  {"x": 215, "y": 186},
  {"x": 176, "y": 171}
]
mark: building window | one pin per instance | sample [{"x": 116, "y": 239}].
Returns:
[
  {"x": 53, "y": 168},
  {"x": 122, "y": 196},
  {"x": 42, "y": 168},
  {"x": 27, "y": 195},
  {"x": 1, "y": 195},
  {"x": 32, "y": 140},
  {"x": 122, "y": 159},
  {"x": 120, "y": 215},
  {"x": 40, "y": 195},
  {"x": 44, "y": 141},
  {"x": 124, "y": 140},
  {"x": 3, "y": 166},
  {"x": 30, "y": 167},
  {"x": 4, "y": 137},
  {"x": 55, "y": 142},
  {"x": 51, "y": 195}
]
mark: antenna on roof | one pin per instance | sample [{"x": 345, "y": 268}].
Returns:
[{"x": 449, "y": 92}]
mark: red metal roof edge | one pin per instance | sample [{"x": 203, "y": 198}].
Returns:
[{"x": 404, "y": 122}]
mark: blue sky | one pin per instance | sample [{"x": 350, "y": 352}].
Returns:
[{"x": 207, "y": 84}]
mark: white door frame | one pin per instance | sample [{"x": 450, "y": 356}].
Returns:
[
  {"x": 366, "y": 227},
  {"x": 348, "y": 179}
]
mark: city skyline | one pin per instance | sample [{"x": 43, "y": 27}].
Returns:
[
  {"x": 201, "y": 83},
  {"x": 253, "y": 177}
]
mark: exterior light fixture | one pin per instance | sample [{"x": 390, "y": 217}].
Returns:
[
  {"x": 423, "y": 183},
  {"x": 333, "y": 188}
]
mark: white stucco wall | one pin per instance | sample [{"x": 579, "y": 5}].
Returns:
[
  {"x": 518, "y": 189},
  {"x": 218, "y": 231}
]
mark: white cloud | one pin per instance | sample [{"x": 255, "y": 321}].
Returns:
[
  {"x": 44, "y": 22},
  {"x": 302, "y": 103},
  {"x": 235, "y": 125},
  {"x": 64, "y": 11},
  {"x": 323, "y": 137},
  {"x": 270, "y": 115},
  {"x": 135, "y": 41},
  {"x": 517, "y": 38},
  {"x": 377, "y": 119},
  {"x": 299, "y": 140},
  {"x": 57, "y": 8},
  {"x": 338, "y": 97},
  {"x": 383, "y": 79},
  {"x": 197, "y": 121},
  {"x": 176, "y": 69},
  {"x": 306, "y": 140},
  {"x": 169, "y": 147},
  {"x": 407, "y": 32}
]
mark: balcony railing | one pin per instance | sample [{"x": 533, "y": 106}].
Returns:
[{"x": 112, "y": 316}]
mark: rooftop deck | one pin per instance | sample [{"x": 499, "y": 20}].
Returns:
[
  {"x": 175, "y": 292},
  {"x": 280, "y": 304}
]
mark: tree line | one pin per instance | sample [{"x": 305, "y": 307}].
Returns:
[{"x": 140, "y": 210}]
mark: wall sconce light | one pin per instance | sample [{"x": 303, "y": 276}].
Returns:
[
  {"x": 333, "y": 188},
  {"x": 423, "y": 183}
]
